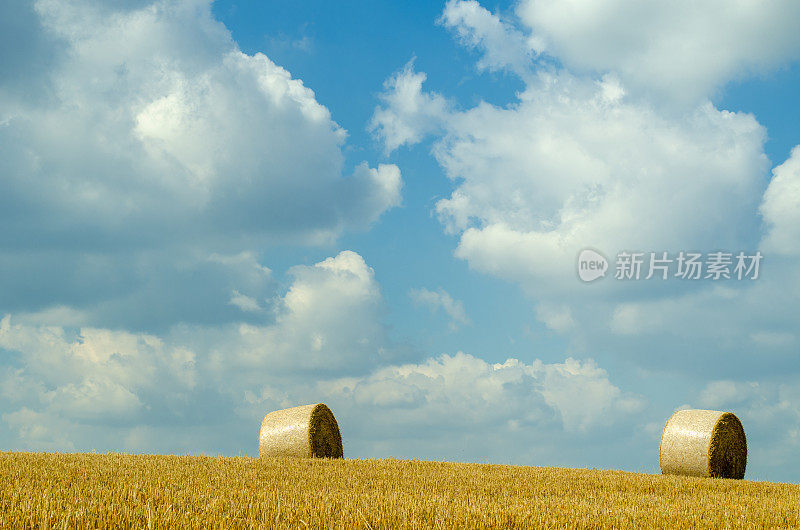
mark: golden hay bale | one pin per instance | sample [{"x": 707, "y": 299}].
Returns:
[
  {"x": 703, "y": 443},
  {"x": 309, "y": 431}
]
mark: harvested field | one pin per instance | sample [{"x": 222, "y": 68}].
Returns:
[{"x": 85, "y": 490}]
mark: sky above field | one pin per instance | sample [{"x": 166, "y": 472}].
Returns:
[{"x": 509, "y": 232}]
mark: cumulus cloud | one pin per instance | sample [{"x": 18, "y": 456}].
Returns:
[
  {"x": 579, "y": 161},
  {"x": 464, "y": 402},
  {"x": 150, "y": 142},
  {"x": 157, "y": 118},
  {"x": 616, "y": 146},
  {"x": 244, "y": 302},
  {"x": 38, "y": 431},
  {"x": 56, "y": 378},
  {"x": 408, "y": 114},
  {"x": 718, "y": 394},
  {"x": 503, "y": 46},
  {"x": 557, "y": 317},
  {"x": 574, "y": 164},
  {"x": 65, "y": 379},
  {"x": 327, "y": 322},
  {"x": 682, "y": 50},
  {"x": 750, "y": 325},
  {"x": 781, "y": 208},
  {"x": 441, "y": 299},
  {"x": 753, "y": 316},
  {"x": 154, "y": 156},
  {"x": 369, "y": 186},
  {"x": 202, "y": 388}
]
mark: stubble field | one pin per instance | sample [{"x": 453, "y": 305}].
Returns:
[{"x": 39, "y": 490}]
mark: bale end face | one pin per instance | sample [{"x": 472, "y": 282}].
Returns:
[
  {"x": 727, "y": 452},
  {"x": 324, "y": 437}
]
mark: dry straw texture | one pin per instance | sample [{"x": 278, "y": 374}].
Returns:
[
  {"x": 144, "y": 491},
  {"x": 309, "y": 431},
  {"x": 703, "y": 443}
]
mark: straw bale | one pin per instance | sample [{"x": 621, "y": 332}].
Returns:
[
  {"x": 309, "y": 431},
  {"x": 703, "y": 443}
]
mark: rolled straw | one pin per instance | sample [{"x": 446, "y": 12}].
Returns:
[
  {"x": 703, "y": 443},
  {"x": 309, "y": 431}
]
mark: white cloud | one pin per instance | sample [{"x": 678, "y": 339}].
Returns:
[
  {"x": 37, "y": 430},
  {"x": 328, "y": 322},
  {"x": 731, "y": 331},
  {"x": 409, "y": 113},
  {"x": 368, "y": 187},
  {"x": 584, "y": 396},
  {"x": 245, "y": 264},
  {"x": 119, "y": 382},
  {"x": 718, "y": 394},
  {"x": 574, "y": 164},
  {"x": 244, "y": 302},
  {"x": 502, "y": 44},
  {"x": 440, "y": 298},
  {"x": 579, "y": 161},
  {"x": 202, "y": 389},
  {"x": 616, "y": 146},
  {"x": 464, "y": 392},
  {"x": 93, "y": 400},
  {"x": 638, "y": 318},
  {"x": 158, "y": 117},
  {"x": 682, "y": 49},
  {"x": 149, "y": 129},
  {"x": 781, "y": 208},
  {"x": 557, "y": 317},
  {"x": 91, "y": 375},
  {"x": 151, "y": 142}
]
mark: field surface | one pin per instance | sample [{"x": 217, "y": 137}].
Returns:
[{"x": 118, "y": 491}]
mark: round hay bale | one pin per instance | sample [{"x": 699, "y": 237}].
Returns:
[
  {"x": 703, "y": 443},
  {"x": 309, "y": 431}
]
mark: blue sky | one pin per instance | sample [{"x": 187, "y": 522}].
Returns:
[{"x": 214, "y": 210}]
